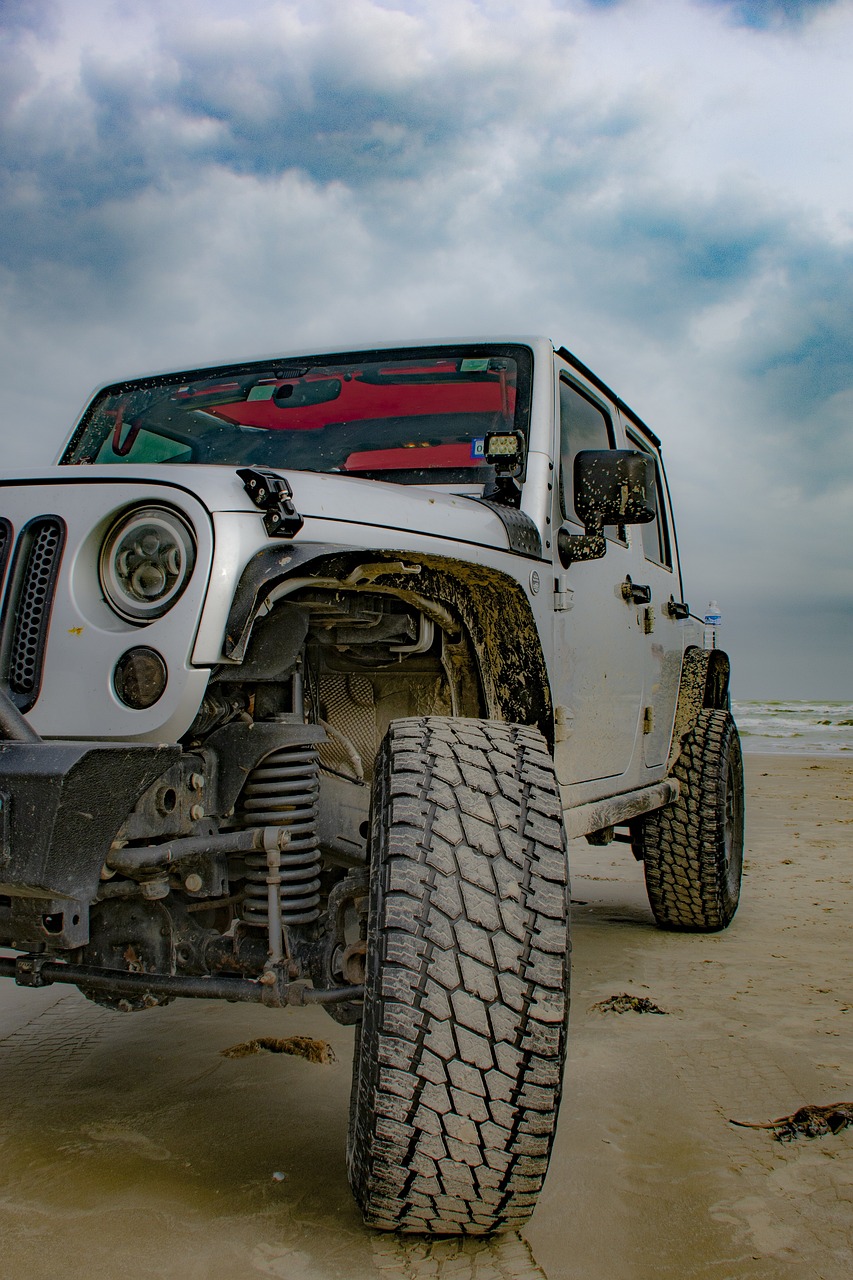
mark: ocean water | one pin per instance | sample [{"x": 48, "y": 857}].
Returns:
[{"x": 801, "y": 728}]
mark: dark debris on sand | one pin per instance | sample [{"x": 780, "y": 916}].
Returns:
[
  {"x": 807, "y": 1122},
  {"x": 297, "y": 1046},
  {"x": 627, "y": 1004}
]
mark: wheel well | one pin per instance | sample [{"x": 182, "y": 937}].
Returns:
[
  {"x": 499, "y": 624},
  {"x": 704, "y": 685},
  {"x": 483, "y": 613}
]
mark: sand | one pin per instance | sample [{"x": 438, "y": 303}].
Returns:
[{"x": 131, "y": 1147}]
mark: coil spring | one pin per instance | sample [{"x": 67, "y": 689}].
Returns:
[{"x": 283, "y": 791}]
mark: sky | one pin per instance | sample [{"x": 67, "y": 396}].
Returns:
[{"x": 662, "y": 186}]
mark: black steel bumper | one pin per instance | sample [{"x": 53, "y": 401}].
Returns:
[{"x": 61, "y": 805}]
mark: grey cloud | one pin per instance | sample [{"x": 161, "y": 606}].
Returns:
[
  {"x": 30, "y": 15},
  {"x": 417, "y": 152},
  {"x": 327, "y": 103},
  {"x": 654, "y": 263},
  {"x": 795, "y": 350},
  {"x": 508, "y": 156},
  {"x": 806, "y": 342},
  {"x": 219, "y": 192},
  {"x": 16, "y": 72}
]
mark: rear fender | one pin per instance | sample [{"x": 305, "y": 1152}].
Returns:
[{"x": 704, "y": 684}]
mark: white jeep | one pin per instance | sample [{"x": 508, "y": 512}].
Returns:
[{"x": 309, "y": 668}]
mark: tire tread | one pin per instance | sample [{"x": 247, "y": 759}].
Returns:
[
  {"x": 689, "y": 882},
  {"x": 459, "y": 1071}
]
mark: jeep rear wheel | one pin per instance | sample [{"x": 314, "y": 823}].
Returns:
[
  {"x": 459, "y": 1064},
  {"x": 693, "y": 850}
]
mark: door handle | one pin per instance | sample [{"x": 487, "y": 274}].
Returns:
[{"x": 635, "y": 592}]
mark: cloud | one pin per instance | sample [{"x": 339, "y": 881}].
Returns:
[
  {"x": 188, "y": 183},
  {"x": 367, "y": 94},
  {"x": 30, "y": 15}
]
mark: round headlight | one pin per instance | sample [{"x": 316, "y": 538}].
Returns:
[{"x": 146, "y": 561}]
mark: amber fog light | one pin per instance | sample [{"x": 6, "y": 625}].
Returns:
[{"x": 139, "y": 678}]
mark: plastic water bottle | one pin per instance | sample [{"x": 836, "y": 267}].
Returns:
[{"x": 713, "y": 620}]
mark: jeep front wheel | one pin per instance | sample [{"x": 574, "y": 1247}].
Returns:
[
  {"x": 692, "y": 850},
  {"x": 459, "y": 1062}
]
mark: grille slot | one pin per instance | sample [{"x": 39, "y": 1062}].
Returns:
[
  {"x": 5, "y": 545},
  {"x": 29, "y": 601}
]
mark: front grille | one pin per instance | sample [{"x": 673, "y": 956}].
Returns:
[{"x": 26, "y": 611}]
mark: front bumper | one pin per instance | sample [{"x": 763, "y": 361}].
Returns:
[{"x": 61, "y": 805}]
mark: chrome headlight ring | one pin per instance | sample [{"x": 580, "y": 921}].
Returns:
[{"x": 146, "y": 561}]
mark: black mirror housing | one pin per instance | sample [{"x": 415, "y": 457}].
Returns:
[{"x": 614, "y": 486}]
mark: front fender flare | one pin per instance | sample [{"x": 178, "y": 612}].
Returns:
[{"x": 491, "y": 607}]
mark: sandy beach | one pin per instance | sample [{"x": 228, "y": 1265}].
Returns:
[{"x": 132, "y": 1147}]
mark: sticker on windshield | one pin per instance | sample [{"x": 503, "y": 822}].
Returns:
[
  {"x": 478, "y": 447},
  {"x": 474, "y": 366},
  {"x": 263, "y": 391}
]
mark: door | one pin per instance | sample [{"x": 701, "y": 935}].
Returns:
[
  {"x": 663, "y": 629},
  {"x": 598, "y": 644}
]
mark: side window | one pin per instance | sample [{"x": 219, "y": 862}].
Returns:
[
  {"x": 656, "y": 540},
  {"x": 582, "y": 426}
]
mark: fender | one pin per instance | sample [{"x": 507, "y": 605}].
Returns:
[
  {"x": 704, "y": 683},
  {"x": 490, "y": 605}
]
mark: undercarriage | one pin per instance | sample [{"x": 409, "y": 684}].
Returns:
[{"x": 232, "y": 864}]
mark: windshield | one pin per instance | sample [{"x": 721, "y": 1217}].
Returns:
[{"x": 413, "y": 416}]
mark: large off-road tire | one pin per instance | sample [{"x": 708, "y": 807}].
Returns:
[
  {"x": 459, "y": 1064},
  {"x": 692, "y": 850}
]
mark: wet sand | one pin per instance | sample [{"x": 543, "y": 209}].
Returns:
[{"x": 131, "y": 1147}]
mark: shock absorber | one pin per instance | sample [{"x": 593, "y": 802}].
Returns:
[{"x": 283, "y": 791}]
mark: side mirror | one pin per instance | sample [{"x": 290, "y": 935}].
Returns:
[{"x": 612, "y": 486}]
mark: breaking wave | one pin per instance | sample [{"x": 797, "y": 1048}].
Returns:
[{"x": 802, "y": 728}]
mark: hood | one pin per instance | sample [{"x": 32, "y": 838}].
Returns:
[{"x": 324, "y": 497}]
